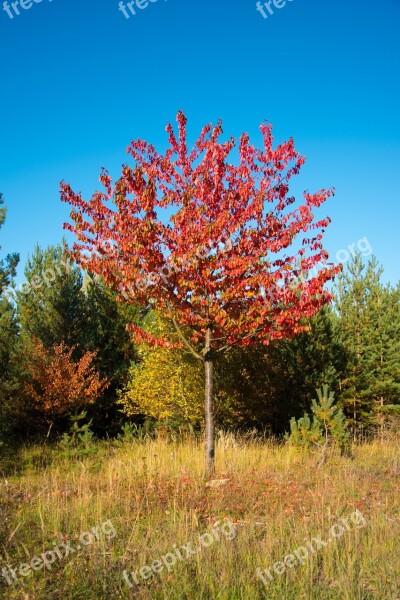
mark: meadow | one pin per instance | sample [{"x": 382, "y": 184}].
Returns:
[{"x": 268, "y": 500}]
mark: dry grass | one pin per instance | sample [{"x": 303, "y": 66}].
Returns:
[{"x": 155, "y": 495}]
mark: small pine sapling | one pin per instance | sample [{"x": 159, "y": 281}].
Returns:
[{"x": 326, "y": 427}]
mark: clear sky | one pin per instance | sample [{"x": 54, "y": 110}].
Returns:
[{"x": 79, "y": 80}]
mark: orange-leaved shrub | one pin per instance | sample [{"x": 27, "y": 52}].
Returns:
[{"x": 58, "y": 385}]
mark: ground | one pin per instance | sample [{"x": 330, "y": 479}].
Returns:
[{"x": 270, "y": 525}]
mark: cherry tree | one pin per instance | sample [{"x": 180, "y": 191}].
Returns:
[{"x": 216, "y": 244}]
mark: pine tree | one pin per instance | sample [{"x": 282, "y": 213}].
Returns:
[
  {"x": 9, "y": 264},
  {"x": 315, "y": 358},
  {"x": 58, "y": 306},
  {"x": 381, "y": 361},
  {"x": 105, "y": 334},
  {"x": 264, "y": 387},
  {"x": 369, "y": 330},
  {"x": 327, "y": 425},
  {"x": 51, "y": 303},
  {"x": 8, "y": 336}
]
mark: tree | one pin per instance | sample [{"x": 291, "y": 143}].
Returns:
[
  {"x": 8, "y": 347},
  {"x": 8, "y": 335},
  {"x": 369, "y": 327},
  {"x": 56, "y": 304},
  {"x": 57, "y": 384},
  {"x": 9, "y": 264},
  {"x": 174, "y": 397},
  {"x": 311, "y": 360},
  {"x": 383, "y": 353},
  {"x": 270, "y": 384},
  {"x": 326, "y": 426},
  {"x": 104, "y": 333},
  {"x": 220, "y": 267},
  {"x": 263, "y": 386},
  {"x": 51, "y": 303}
]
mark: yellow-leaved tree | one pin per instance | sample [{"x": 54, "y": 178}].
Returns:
[{"x": 166, "y": 384}]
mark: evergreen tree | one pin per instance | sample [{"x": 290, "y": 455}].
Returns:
[
  {"x": 9, "y": 264},
  {"x": 8, "y": 337},
  {"x": 51, "y": 303},
  {"x": 327, "y": 426},
  {"x": 51, "y": 312},
  {"x": 381, "y": 361},
  {"x": 58, "y": 306},
  {"x": 264, "y": 387},
  {"x": 369, "y": 330},
  {"x": 314, "y": 358},
  {"x": 105, "y": 334}
]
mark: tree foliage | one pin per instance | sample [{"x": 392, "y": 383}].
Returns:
[
  {"x": 51, "y": 302},
  {"x": 224, "y": 243},
  {"x": 165, "y": 385},
  {"x": 224, "y": 266},
  {"x": 369, "y": 326},
  {"x": 9, "y": 264},
  {"x": 9, "y": 371},
  {"x": 104, "y": 333},
  {"x": 57, "y": 385},
  {"x": 326, "y": 426}
]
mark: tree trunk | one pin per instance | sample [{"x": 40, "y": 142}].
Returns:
[{"x": 209, "y": 407}]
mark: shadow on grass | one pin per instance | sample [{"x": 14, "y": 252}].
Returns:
[{"x": 16, "y": 460}]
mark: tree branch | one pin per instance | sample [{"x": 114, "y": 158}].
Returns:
[{"x": 185, "y": 341}]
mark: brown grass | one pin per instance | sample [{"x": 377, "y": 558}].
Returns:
[{"x": 155, "y": 495}]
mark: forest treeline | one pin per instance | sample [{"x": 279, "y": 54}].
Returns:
[{"x": 64, "y": 348}]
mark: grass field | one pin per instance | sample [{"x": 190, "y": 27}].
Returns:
[{"x": 136, "y": 504}]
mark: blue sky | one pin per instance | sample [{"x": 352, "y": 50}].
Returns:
[{"x": 79, "y": 81}]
